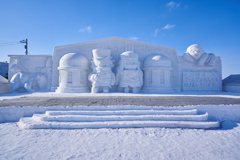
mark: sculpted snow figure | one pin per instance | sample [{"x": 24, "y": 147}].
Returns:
[
  {"x": 31, "y": 82},
  {"x": 24, "y": 80},
  {"x": 129, "y": 74},
  {"x": 102, "y": 76},
  {"x": 195, "y": 54}
]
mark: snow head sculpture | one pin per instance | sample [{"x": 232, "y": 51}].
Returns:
[
  {"x": 129, "y": 74},
  {"x": 102, "y": 76},
  {"x": 195, "y": 54}
]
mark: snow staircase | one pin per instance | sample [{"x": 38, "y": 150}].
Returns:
[{"x": 118, "y": 117}]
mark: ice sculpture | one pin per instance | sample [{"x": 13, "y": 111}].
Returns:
[
  {"x": 102, "y": 77},
  {"x": 129, "y": 74},
  {"x": 195, "y": 54}
]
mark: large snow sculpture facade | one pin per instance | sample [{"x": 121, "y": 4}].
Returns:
[
  {"x": 157, "y": 74},
  {"x": 102, "y": 77},
  {"x": 116, "y": 47},
  {"x": 73, "y": 69},
  {"x": 68, "y": 70},
  {"x": 30, "y": 73},
  {"x": 129, "y": 74}
]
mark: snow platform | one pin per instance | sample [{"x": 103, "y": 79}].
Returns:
[{"x": 118, "y": 117}]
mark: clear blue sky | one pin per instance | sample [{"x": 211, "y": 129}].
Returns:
[{"x": 213, "y": 24}]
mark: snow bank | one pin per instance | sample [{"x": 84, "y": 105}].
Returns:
[
  {"x": 221, "y": 112},
  {"x": 13, "y": 114},
  {"x": 216, "y": 112}
]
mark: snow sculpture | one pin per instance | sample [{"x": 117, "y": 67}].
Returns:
[
  {"x": 164, "y": 71},
  {"x": 157, "y": 74},
  {"x": 30, "y": 81},
  {"x": 49, "y": 72},
  {"x": 195, "y": 54},
  {"x": 200, "y": 71},
  {"x": 102, "y": 77},
  {"x": 118, "y": 45},
  {"x": 73, "y": 69},
  {"x": 29, "y": 74},
  {"x": 129, "y": 74}
]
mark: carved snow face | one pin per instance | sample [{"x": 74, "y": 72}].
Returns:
[
  {"x": 195, "y": 51},
  {"x": 102, "y": 63},
  {"x": 130, "y": 63}
]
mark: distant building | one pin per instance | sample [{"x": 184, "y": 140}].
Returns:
[
  {"x": 4, "y": 69},
  {"x": 232, "y": 83},
  {"x": 4, "y": 85}
]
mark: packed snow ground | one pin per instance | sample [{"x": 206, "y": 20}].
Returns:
[
  {"x": 215, "y": 112},
  {"x": 141, "y": 143},
  {"x": 53, "y": 94},
  {"x": 134, "y": 143}
]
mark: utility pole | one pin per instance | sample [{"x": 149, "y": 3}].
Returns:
[{"x": 26, "y": 46}]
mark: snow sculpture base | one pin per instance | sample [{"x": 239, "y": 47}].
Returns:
[
  {"x": 204, "y": 78},
  {"x": 72, "y": 89},
  {"x": 157, "y": 90},
  {"x": 201, "y": 81}
]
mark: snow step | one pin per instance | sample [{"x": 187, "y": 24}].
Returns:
[
  {"x": 117, "y": 117},
  {"x": 125, "y": 112},
  {"x": 112, "y": 108},
  {"x": 29, "y": 123},
  {"x": 92, "y": 118}
]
